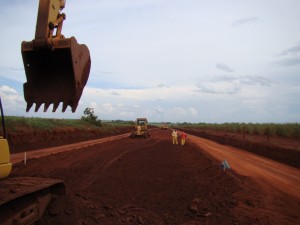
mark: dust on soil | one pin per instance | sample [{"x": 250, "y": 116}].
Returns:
[{"x": 151, "y": 181}]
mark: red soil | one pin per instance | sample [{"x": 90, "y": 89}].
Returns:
[
  {"x": 28, "y": 139},
  {"x": 150, "y": 181},
  {"x": 281, "y": 149}
]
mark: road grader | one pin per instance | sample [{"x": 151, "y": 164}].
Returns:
[{"x": 140, "y": 128}]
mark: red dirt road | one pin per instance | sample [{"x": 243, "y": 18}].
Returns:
[
  {"x": 263, "y": 170},
  {"x": 150, "y": 181}
]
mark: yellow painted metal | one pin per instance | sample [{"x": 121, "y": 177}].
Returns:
[
  {"x": 5, "y": 164},
  {"x": 48, "y": 12}
]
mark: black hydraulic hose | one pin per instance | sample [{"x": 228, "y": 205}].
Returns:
[{"x": 2, "y": 120}]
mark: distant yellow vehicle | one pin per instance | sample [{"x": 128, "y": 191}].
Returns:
[
  {"x": 140, "y": 128},
  {"x": 164, "y": 126}
]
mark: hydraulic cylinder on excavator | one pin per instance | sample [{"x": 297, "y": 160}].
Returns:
[{"x": 57, "y": 68}]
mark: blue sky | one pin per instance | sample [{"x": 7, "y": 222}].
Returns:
[{"x": 170, "y": 60}]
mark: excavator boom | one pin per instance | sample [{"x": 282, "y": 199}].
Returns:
[{"x": 57, "y": 68}]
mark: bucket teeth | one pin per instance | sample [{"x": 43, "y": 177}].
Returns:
[
  {"x": 56, "y": 75},
  {"x": 65, "y": 105},
  {"x": 55, "y": 106},
  {"x": 46, "y": 106},
  {"x": 37, "y": 106},
  {"x": 28, "y": 107},
  {"x": 74, "y": 108}
]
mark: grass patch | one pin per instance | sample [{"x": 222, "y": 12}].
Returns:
[
  {"x": 14, "y": 123},
  {"x": 291, "y": 130}
]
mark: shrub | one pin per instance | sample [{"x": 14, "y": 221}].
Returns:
[{"x": 90, "y": 117}]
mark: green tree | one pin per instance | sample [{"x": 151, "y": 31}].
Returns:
[{"x": 91, "y": 117}]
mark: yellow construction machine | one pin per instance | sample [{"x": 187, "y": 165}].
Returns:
[
  {"x": 57, "y": 68},
  {"x": 5, "y": 164},
  {"x": 164, "y": 126},
  {"x": 23, "y": 200},
  {"x": 140, "y": 128}
]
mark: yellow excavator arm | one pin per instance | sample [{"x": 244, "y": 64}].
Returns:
[
  {"x": 57, "y": 68},
  {"x": 49, "y": 19}
]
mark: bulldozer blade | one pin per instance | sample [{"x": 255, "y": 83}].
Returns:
[{"x": 55, "y": 75}]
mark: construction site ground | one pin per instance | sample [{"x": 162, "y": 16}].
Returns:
[{"x": 131, "y": 181}]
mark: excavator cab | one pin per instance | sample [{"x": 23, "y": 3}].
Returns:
[{"x": 57, "y": 68}]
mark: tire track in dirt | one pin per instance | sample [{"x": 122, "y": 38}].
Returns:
[
  {"x": 100, "y": 167},
  {"x": 111, "y": 157}
]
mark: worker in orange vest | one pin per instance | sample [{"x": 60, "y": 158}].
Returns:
[{"x": 183, "y": 137}]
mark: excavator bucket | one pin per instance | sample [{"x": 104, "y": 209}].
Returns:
[
  {"x": 56, "y": 74},
  {"x": 57, "y": 68}
]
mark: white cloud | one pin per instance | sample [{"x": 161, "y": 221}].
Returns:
[
  {"x": 230, "y": 84},
  {"x": 128, "y": 115},
  {"x": 289, "y": 61},
  {"x": 295, "y": 50},
  {"x": 115, "y": 93},
  {"x": 149, "y": 57},
  {"x": 246, "y": 21},
  {"x": 224, "y": 67},
  {"x": 221, "y": 87},
  {"x": 93, "y": 105},
  {"x": 6, "y": 90},
  {"x": 289, "y": 57},
  {"x": 181, "y": 114},
  {"x": 11, "y": 100},
  {"x": 193, "y": 111},
  {"x": 107, "y": 107}
]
